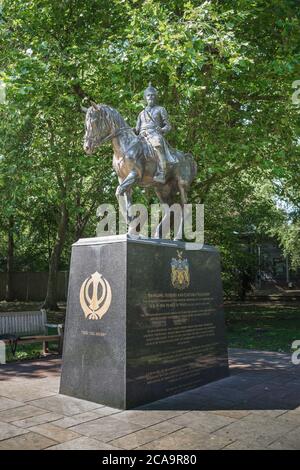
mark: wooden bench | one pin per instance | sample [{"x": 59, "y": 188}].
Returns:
[{"x": 29, "y": 327}]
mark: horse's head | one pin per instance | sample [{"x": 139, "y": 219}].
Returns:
[{"x": 96, "y": 128}]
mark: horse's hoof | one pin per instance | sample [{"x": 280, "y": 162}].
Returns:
[{"x": 134, "y": 236}]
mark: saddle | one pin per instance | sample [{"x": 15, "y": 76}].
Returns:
[{"x": 150, "y": 154}]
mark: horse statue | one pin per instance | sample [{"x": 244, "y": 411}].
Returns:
[{"x": 134, "y": 163}]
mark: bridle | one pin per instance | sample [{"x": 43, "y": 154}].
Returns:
[{"x": 99, "y": 141}]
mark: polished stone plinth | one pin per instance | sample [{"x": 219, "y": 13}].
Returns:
[{"x": 144, "y": 320}]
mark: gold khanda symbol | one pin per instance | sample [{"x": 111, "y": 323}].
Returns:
[{"x": 95, "y": 296}]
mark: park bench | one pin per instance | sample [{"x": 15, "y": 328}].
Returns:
[{"x": 29, "y": 327}]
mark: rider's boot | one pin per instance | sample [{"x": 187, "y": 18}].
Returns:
[{"x": 160, "y": 176}]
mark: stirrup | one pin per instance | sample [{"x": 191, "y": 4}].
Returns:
[{"x": 160, "y": 178}]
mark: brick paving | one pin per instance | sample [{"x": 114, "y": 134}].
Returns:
[{"x": 257, "y": 407}]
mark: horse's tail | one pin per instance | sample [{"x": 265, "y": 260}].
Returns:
[{"x": 193, "y": 166}]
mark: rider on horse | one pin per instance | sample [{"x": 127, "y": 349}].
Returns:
[{"x": 152, "y": 123}]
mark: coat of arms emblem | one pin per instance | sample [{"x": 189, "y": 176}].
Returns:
[
  {"x": 180, "y": 272},
  {"x": 95, "y": 296}
]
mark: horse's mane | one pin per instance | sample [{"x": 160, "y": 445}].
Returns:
[{"x": 111, "y": 116}]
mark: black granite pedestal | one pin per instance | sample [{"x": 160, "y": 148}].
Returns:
[{"x": 144, "y": 321}]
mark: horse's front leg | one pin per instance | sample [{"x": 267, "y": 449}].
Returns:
[
  {"x": 130, "y": 179},
  {"x": 125, "y": 204}
]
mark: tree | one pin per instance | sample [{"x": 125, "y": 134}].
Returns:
[{"x": 224, "y": 71}]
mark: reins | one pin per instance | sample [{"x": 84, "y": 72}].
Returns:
[{"x": 112, "y": 135}]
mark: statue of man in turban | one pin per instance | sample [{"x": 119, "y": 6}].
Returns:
[{"x": 152, "y": 124}]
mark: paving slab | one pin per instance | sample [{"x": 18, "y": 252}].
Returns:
[
  {"x": 188, "y": 439},
  {"x": 203, "y": 421},
  {"x": 21, "y": 412},
  {"x": 80, "y": 418},
  {"x": 44, "y": 368},
  {"x": 166, "y": 427},
  {"x": 28, "y": 389},
  {"x": 54, "y": 432},
  {"x": 106, "y": 429},
  {"x": 36, "y": 420},
  {"x": 136, "y": 439},
  {"x": 256, "y": 428},
  {"x": 148, "y": 417},
  {"x": 7, "y": 403},
  {"x": 64, "y": 405},
  {"x": 291, "y": 441},
  {"x": 28, "y": 441},
  {"x": 292, "y": 416},
  {"x": 9, "y": 430},
  {"x": 241, "y": 445},
  {"x": 236, "y": 414},
  {"x": 83, "y": 443}
]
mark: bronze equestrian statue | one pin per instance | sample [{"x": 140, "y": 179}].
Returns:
[{"x": 142, "y": 156}]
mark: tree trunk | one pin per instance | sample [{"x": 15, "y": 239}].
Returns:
[
  {"x": 51, "y": 297},
  {"x": 10, "y": 260},
  {"x": 78, "y": 224}
]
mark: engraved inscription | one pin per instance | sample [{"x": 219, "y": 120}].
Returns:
[{"x": 179, "y": 338}]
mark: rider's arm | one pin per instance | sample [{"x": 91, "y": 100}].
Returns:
[
  {"x": 138, "y": 125},
  {"x": 166, "y": 127}
]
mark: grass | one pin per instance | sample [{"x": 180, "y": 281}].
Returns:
[
  {"x": 31, "y": 350},
  {"x": 28, "y": 351},
  {"x": 267, "y": 327}
]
